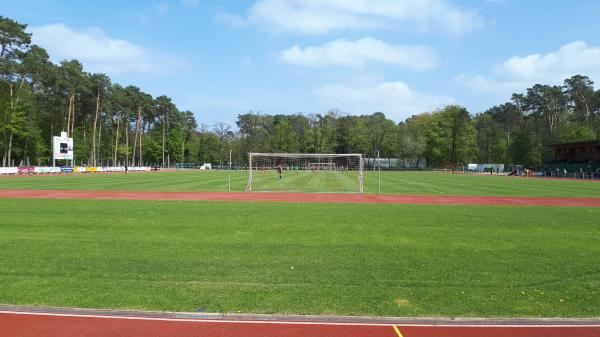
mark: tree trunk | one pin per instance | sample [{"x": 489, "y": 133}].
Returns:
[
  {"x": 69, "y": 115},
  {"x": 13, "y": 106},
  {"x": 116, "y": 143},
  {"x": 73, "y": 116},
  {"x": 137, "y": 130},
  {"x": 135, "y": 138},
  {"x": 51, "y": 134},
  {"x": 6, "y": 157},
  {"x": 183, "y": 150},
  {"x": 4, "y": 133},
  {"x": 10, "y": 138},
  {"x": 25, "y": 147},
  {"x": 99, "y": 139},
  {"x": 126, "y": 125},
  {"x": 141, "y": 162},
  {"x": 507, "y": 144},
  {"x": 94, "y": 129}
]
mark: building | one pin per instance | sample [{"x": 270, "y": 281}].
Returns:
[{"x": 576, "y": 156}]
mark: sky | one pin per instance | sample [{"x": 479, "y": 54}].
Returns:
[{"x": 401, "y": 57}]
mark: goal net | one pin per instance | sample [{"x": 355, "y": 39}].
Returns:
[{"x": 303, "y": 172}]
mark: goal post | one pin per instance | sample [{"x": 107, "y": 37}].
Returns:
[{"x": 305, "y": 172}]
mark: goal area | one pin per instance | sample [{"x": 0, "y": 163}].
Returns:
[{"x": 304, "y": 172}]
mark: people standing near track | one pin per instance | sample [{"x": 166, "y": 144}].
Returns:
[{"x": 279, "y": 169}]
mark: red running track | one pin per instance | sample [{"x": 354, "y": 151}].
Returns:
[
  {"x": 304, "y": 197},
  {"x": 35, "y": 324}
]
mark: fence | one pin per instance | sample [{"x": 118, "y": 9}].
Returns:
[{"x": 28, "y": 170}]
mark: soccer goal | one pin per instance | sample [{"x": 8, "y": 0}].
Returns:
[{"x": 304, "y": 172}]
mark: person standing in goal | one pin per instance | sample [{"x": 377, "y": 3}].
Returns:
[{"x": 279, "y": 169}]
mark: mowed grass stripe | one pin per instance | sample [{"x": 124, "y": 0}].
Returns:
[
  {"x": 302, "y": 258},
  {"x": 418, "y": 183}
]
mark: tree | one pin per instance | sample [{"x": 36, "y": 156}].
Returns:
[
  {"x": 359, "y": 142},
  {"x": 580, "y": 91},
  {"x": 189, "y": 126},
  {"x": 526, "y": 148},
  {"x": 412, "y": 139},
  {"x": 37, "y": 98},
  {"x": 138, "y": 102},
  {"x": 450, "y": 137},
  {"x": 165, "y": 109},
  {"x": 35, "y": 67},
  {"x": 301, "y": 126},
  {"x": 73, "y": 78},
  {"x": 508, "y": 116},
  {"x": 491, "y": 143},
  {"x": 547, "y": 105},
  {"x": 13, "y": 41},
  {"x": 382, "y": 135},
  {"x": 283, "y": 138},
  {"x": 223, "y": 132},
  {"x": 100, "y": 85}
]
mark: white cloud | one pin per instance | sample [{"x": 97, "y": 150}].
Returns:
[
  {"x": 99, "y": 52},
  {"x": 357, "y": 53},
  {"x": 396, "y": 99},
  {"x": 519, "y": 72},
  {"x": 318, "y": 17}
]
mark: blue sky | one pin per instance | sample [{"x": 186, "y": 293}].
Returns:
[{"x": 402, "y": 57}]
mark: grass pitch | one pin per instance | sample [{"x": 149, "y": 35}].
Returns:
[
  {"x": 419, "y": 183},
  {"x": 365, "y": 259}
]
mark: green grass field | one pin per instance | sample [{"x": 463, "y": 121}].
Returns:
[
  {"x": 425, "y": 183},
  {"x": 301, "y": 258},
  {"x": 345, "y": 259}
]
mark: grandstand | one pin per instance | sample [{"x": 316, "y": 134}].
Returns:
[{"x": 575, "y": 157}]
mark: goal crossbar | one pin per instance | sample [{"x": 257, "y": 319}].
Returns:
[{"x": 305, "y": 155}]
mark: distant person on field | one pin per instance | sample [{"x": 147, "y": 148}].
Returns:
[{"x": 279, "y": 169}]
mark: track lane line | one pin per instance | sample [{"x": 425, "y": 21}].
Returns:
[{"x": 397, "y": 331}]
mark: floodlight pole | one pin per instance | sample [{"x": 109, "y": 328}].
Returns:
[
  {"x": 378, "y": 175},
  {"x": 229, "y": 177}
]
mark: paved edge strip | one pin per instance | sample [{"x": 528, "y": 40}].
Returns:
[{"x": 300, "y": 319}]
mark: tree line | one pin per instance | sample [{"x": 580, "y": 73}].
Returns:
[
  {"x": 114, "y": 125},
  {"x": 515, "y": 132},
  {"x": 111, "y": 124}
]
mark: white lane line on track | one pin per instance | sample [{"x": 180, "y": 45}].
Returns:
[{"x": 225, "y": 321}]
